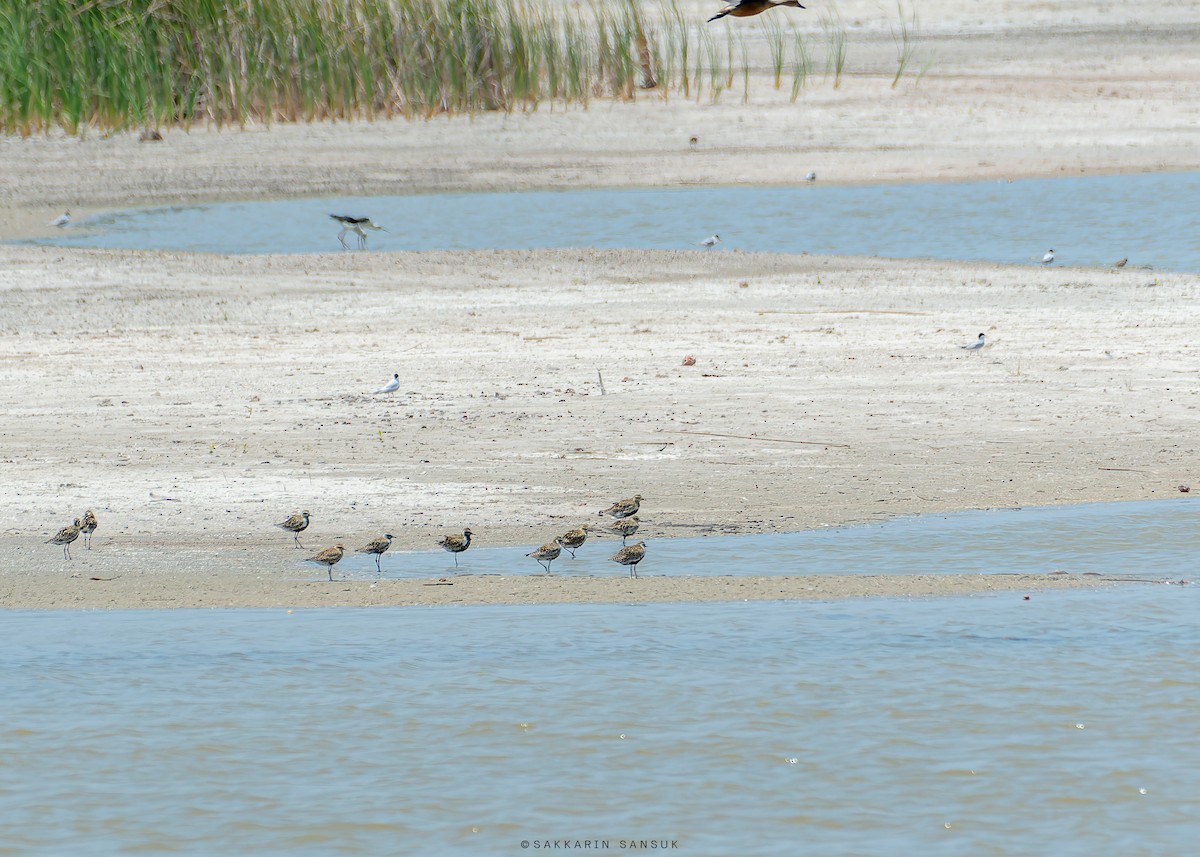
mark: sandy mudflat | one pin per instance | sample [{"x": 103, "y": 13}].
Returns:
[{"x": 192, "y": 401}]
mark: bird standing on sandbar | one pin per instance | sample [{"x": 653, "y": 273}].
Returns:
[
  {"x": 746, "y": 8},
  {"x": 64, "y": 537},
  {"x": 624, "y": 527},
  {"x": 377, "y": 547},
  {"x": 62, "y": 221},
  {"x": 572, "y": 540},
  {"x": 391, "y": 386},
  {"x": 974, "y": 346},
  {"x": 89, "y": 526},
  {"x": 1048, "y": 259},
  {"x": 710, "y": 242},
  {"x": 329, "y": 557},
  {"x": 546, "y": 554},
  {"x": 457, "y": 544},
  {"x": 357, "y": 225},
  {"x": 623, "y": 508},
  {"x": 630, "y": 556},
  {"x": 1121, "y": 263},
  {"x": 296, "y": 524}
]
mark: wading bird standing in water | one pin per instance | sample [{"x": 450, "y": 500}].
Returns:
[
  {"x": 747, "y": 8},
  {"x": 357, "y": 225},
  {"x": 457, "y": 544}
]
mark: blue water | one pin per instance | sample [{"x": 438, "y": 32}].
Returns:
[
  {"x": 1151, "y": 218},
  {"x": 1157, "y": 538},
  {"x": 1063, "y": 725}
]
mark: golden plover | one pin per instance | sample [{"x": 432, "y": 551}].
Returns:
[
  {"x": 546, "y": 554},
  {"x": 457, "y": 544},
  {"x": 624, "y": 528},
  {"x": 296, "y": 524},
  {"x": 572, "y": 540},
  {"x": 624, "y": 508},
  {"x": 64, "y": 537},
  {"x": 746, "y": 8},
  {"x": 329, "y": 557},
  {"x": 377, "y": 547},
  {"x": 89, "y": 526},
  {"x": 630, "y": 556}
]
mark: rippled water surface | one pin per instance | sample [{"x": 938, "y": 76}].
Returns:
[
  {"x": 1152, "y": 538},
  {"x": 1151, "y": 218},
  {"x": 1062, "y": 725}
]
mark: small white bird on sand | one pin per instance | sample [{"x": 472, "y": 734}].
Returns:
[
  {"x": 1049, "y": 257},
  {"x": 811, "y": 176},
  {"x": 974, "y": 346},
  {"x": 710, "y": 242},
  {"x": 391, "y": 386},
  {"x": 357, "y": 225},
  {"x": 62, "y": 220}
]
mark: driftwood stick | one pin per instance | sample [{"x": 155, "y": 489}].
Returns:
[{"x": 753, "y": 437}]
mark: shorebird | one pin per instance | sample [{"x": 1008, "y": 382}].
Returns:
[
  {"x": 329, "y": 557},
  {"x": 357, "y": 225},
  {"x": 64, "y": 537},
  {"x": 546, "y": 554},
  {"x": 62, "y": 220},
  {"x": 811, "y": 176},
  {"x": 746, "y": 8},
  {"x": 457, "y": 544},
  {"x": 1049, "y": 257},
  {"x": 572, "y": 540},
  {"x": 710, "y": 242},
  {"x": 89, "y": 526},
  {"x": 625, "y": 527},
  {"x": 974, "y": 346},
  {"x": 624, "y": 508},
  {"x": 630, "y": 556},
  {"x": 1120, "y": 263},
  {"x": 391, "y": 386},
  {"x": 377, "y": 547},
  {"x": 296, "y": 524}
]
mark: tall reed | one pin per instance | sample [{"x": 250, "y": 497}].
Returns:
[{"x": 113, "y": 64}]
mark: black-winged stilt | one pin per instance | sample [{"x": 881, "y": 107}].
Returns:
[{"x": 357, "y": 225}]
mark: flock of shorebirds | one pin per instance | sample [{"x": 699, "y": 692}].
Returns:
[
  {"x": 623, "y": 511},
  {"x": 625, "y": 525}
]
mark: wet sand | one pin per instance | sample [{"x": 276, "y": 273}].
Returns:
[{"x": 193, "y": 401}]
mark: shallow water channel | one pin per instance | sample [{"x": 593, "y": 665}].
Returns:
[{"x": 1149, "y": 218}]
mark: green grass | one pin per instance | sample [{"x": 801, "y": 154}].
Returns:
[{"x": 116, "y": 64}]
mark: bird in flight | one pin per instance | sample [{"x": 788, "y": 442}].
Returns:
[{"x": 746, "y": 8}]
